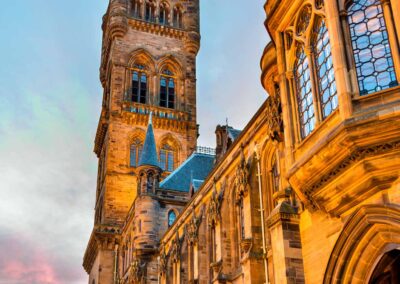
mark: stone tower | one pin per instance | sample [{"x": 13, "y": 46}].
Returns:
[{"x": 148, "y": 65}]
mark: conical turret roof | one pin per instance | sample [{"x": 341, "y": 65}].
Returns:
[{"x": 149, "y": 155}]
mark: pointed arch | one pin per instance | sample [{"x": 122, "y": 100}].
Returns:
[
  {"x": 169, "y": 149},
  {"x": 172, "y": 63},
  {"x": 142, "y": 57},
  {"x": 135, "y": 145},
  {"x": 370, "y": 232}
]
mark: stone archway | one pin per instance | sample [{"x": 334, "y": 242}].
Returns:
[
  {"x": 369, "y": 234},
  {"x": 387, "y": 270}
]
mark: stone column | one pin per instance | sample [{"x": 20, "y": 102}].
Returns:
[
  {"x": 393, "y": 40},
  {"x": 283, "y": 224},
  {"x": 337, "y": 43}
]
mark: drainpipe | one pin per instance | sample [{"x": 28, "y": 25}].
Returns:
[
  {"x": 262, "y": 216},
  {"x": 158, "y": 265},
  {"x": 115, "y": 264}
]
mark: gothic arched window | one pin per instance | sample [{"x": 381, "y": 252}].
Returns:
[
  {"x": 167, "y": 89},
  {"x": 307, "y": 44},
  {"x": 241, "y": 218},
  {"x": 171, "y": 217},
  {"x": 371, "y": 49},
  {"x": 163, "y": 14},
  {"x": 275, "y": 176},
  {"x": 304, "y": 94},
  {"x": 139, "y": 85},
  {"x": 325, "y": 73},
  {"x": 177, "y": 17},
  {"x": 136, "y": 9},
  {"x": 135, "y": 153},
  {"x": 167, "y": 162},
  {"x": 150, "y": 10}
]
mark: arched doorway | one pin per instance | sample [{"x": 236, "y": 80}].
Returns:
[{"x": 387, "y": 271}]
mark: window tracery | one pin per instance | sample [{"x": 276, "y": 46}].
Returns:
[
  {"x": 135, "y": 152},
  {"x": 371, "y": 49},
  {"x": 309, "y": 56}
]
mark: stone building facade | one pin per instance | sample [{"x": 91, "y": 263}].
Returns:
[{"x": 308, "y": 192}]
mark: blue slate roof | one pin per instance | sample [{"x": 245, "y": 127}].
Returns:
[
  {"x": 149, "y": 155},
  {"x": 233, "y": 133},
  {"x": 195, "y": 169}
]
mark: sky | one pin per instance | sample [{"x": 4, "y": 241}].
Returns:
[{"x": 50, "y": 99}]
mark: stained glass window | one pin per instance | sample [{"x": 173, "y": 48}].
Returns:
[
  {"x": 304, "y": 94},
  {"x": 325, "y": 73},
  {"x": 171, "y": 218},
  {"x": 372, "y": 55},
  {"x": 139, "y": 87}
]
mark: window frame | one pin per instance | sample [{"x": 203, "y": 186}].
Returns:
[
  {"x": 169, "y": 77},
  {"x": 351, "y": 53},
  {"x": 141, "y": 71},
  {"x": 170, "y": 212}
]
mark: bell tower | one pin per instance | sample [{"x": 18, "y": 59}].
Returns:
[{"x": 148, "y": 65}]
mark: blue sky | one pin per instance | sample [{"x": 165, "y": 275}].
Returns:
[{"x": 50, "y": 98}]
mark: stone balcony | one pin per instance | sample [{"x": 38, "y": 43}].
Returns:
[{"x": 165, "y": 118}]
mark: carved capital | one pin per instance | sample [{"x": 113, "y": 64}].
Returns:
[{"x": 214, "y": 206}]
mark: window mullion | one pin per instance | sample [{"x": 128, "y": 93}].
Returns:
[
  {"x": 393, "y": 42},
  {"x": 314, "y": 85}
]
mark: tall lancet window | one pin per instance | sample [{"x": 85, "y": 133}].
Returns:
[
  {"x": 177, "y": 17},
  {"x": 163, "y": 14},
  {"x": 372, "y": 55},
  {"x": 167, "y": 89},
  {"x": 150, "y": 9},
  {"x": 325, "y": 73},
  {"x": 139, "y": 85},
  {"x": 136, "y": 9},
  {"x": 304, "y": 94},
  {"x": 167, "y": 162},
  {"x": 135, "y": 153}
]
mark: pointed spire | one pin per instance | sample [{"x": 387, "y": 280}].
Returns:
[{"x": 149, "y": 155}]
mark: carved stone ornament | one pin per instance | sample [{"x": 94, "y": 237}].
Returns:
[
  {"x": 175, "y": 251},
  {"x": 214, "y": 207},
  {"x": 304, "y": 20},
  {"x": 192, "y": 229},
  {"x": 242, "y": 177},
  {"x": 137, "y": 271},
  {"x": 274, "y": 118},
  {"x": 163, "y": 262}
]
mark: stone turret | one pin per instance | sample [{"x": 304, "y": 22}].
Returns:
[{"x": 146, "y": 207}]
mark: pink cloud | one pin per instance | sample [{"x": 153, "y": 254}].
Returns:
[{"x": 24, "y": 263}]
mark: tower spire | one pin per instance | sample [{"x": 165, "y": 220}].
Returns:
[{"x": 149, "y": 155}]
